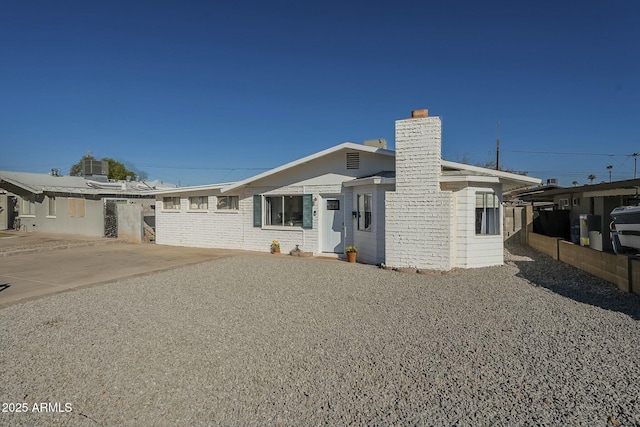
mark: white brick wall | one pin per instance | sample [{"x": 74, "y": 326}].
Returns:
[
  {"x": 205, "y": 229},
  {"x": 419, "y": 216},
  {"x": 234, "y": 229}
]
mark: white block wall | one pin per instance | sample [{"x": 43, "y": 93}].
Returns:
[{"x": 419, "y": 216}]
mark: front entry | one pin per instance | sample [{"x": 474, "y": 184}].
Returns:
[{"x": 333, "y": 224}]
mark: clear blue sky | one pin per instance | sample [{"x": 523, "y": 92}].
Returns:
[{"x": 199, "y": 92}]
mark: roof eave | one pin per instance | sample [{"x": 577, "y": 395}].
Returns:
[{"x": 343, "y": 146}]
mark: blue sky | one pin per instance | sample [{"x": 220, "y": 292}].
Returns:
[{"x": 200, "y": 92}]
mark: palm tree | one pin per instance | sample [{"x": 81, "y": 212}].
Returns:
[
  {"x": 575, "y": 183},
  {"x": 610, "y": 167},
  {"x": 591, "y": 178}
]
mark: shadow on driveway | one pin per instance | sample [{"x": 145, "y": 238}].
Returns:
[{"x": 568, "y": 281}]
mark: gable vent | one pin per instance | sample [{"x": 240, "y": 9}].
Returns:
[{"x": 353, "y": 160}]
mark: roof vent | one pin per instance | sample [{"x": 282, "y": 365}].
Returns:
[
  {"x": 353, "y": 160},
  {"x": 377, "y": 143}
]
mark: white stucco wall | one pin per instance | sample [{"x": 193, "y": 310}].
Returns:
[
  {"x": 473, "y": 250},
  {"x": 90, "y": 224}
]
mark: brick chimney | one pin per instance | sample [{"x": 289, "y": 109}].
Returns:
[{"x": 419, "y": 217}]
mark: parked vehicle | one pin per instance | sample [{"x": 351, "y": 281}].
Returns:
[{"x": 626, "y": 228}]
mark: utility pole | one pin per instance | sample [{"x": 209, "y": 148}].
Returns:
[
  {"x": 497, "y": 146},
  {"x": 610, "y": 167},
  {"x": 635, "y": 163}
]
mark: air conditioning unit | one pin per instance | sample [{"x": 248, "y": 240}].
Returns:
[
  {"x": 95, "y": 167},
  {"x": 552, "y": 181}
]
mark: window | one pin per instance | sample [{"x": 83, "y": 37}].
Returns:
[
  {"x": 487, "y": 214},
  {"x": 283, "y": 210},
  {"x": 171, "y": 203},
  {"x": 364, "y": 212},
  {"x": 28, "y": 206},
  {"x": 227, "y": 202},
  {"x": 76, "y": 207},
  {"x": 52, "y": 206},
  {"x": 199, "y": 203}
]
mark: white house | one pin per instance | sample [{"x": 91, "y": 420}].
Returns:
[{"x": 407, "y": 208}]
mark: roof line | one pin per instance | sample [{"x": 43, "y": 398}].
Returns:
[
  {"x": 306, "y": 159},
  {"x": 498, "y": 173}
]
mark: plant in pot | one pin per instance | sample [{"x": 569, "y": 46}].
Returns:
[
  {"x": 352, "y": 252},
  {"x": 275, "y": 247}
]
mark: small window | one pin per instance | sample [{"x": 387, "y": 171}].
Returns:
[
  {"x": 52, "y": 206},
  {"x": 171, "y": 203},
  {"x": 364, "y": 212},
  {"x": 487, "y": 214},
  {"x": 76, "y": 207},
  {"x": 227, "y": 202},
  {"x": 28, "y": 206},
  {"x": 199, "y": 203}
]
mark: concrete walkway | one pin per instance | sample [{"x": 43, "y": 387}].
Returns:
[{"x": 33, "y": 265}]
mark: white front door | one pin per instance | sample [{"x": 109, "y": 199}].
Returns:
[{"x": 333, "y": 224}]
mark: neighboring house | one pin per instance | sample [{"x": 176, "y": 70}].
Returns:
[
  {"x": 4, "y": 210},
  {"x": 595, "y": 200},
  {"x": 89, "y": 205},
  {"x": 407, "y": 208}
]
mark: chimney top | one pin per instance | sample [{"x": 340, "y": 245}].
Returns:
[{"x": 416, "y": 114}]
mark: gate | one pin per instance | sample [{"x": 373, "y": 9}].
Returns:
[{"x": 111, "y": 218}]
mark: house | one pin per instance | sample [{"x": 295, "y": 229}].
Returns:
[
  {"x": 594, "y": 202},
  {"x": 88, "y": 205},
  {"x": 404, "y": 208}
]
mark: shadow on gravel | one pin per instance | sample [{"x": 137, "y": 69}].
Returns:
[
  {"x": 563, "y": 279},
  {"x": 4, "y": 286}
]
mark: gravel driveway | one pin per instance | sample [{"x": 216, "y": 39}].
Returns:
[{"x": 278, "y": 341}]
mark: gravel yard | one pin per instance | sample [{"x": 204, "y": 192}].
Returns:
[{"x": 257, "y": 340}]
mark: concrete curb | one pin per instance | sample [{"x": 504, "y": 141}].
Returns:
[{"x": 60, "y": 247}]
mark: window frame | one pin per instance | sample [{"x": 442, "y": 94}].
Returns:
[
  {"x": 267, "y": 217},
  {"x": 51, "y": 203},
  {"x": 202, "y": 205},
  {"x": 229, "y": 205},
  {"x": 364, "y": 217},
  {"x": 28, "y": 206},
  {"x": 173, "y": 208},
  {"x": 482, "y": 225}
]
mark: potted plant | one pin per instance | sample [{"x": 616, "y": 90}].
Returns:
[
  {"x": 275, "y": 247},
  {"x": 352, "y": 252}
]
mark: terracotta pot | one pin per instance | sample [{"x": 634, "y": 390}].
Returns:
[
  {"x": 276, "y": 251},
  {"x": 351, "y": 256}
]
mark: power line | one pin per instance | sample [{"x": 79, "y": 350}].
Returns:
[{"x": 567, "y": 153}]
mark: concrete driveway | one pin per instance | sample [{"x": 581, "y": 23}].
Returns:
[{"x": 33, "y": 265}]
